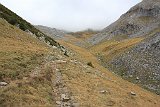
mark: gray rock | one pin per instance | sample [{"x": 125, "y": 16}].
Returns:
[
  {"x": 133, "y": 93},
  {"x": 137, "y": 78},
  {"x": 64, "y": 98},
  {"x": 103, "y": 91},
  {"x": 66, "y": 104},
  {"x": 58, "y": 102},
  {"x": 3, "y": 84}
]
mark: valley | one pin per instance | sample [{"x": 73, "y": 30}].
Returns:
[{"x": 118, "y": 66}]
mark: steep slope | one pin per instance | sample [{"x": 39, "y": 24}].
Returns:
[
  {"x": 20, "y": 53},
  {"x": 132, "y": 51},
  {"x": 35, "y": 74},
  {"x": 141, "y": 64},
  {"x": 97, "y": 87},
  {"x": 138, "y": 21},
  {"x": 15, "y": 20}
]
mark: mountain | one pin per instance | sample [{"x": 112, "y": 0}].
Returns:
[
  {"x": 76, "y": 38},
  {"x": 52, "y": 32},
  {"x": 33, "y": 73},
  {"x": 137, "y": 22},
  {"x": 130, "y": 47}
]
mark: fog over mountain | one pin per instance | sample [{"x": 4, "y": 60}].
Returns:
[{"x": 72, "y": 15}]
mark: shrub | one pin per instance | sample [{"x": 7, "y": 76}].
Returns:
[{"x": 90, "y": 64}]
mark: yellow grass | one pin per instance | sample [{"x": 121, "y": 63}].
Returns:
[
  {"x": 110, "y": 49},
  {"x": 84, "y": 82},
  {"x": 86, "y": 87}
]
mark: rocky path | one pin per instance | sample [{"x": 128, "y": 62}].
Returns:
[{"x": 61, "y": 94}]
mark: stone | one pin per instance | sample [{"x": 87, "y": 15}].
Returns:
[
  {"x": 58, "y": 102},
  {"x": 66, "y": 104},
  {"x": 137, "y": 78},
  {"x": 64, "y": 98},
  {"x": 60, "y": 61},
  {"x": 54, "y": 47},
  {"x": 103, "y": 92},
  {"x": 3, "y": 84},
  {"x": 133, "y": 93}
]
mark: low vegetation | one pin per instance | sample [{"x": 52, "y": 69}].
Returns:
[{"x": 15, "y": 20}]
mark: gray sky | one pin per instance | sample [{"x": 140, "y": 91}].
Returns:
[{"x": 72, "y": 15}]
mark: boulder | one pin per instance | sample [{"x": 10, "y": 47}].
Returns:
[{"x": 3, "y": 84}]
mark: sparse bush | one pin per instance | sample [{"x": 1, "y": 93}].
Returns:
[
  {"x": 13, "y": 21},
  {"x": 90, "y": 64}
]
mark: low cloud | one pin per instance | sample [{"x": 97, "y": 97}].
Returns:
[{"x": 72, "y": 15}]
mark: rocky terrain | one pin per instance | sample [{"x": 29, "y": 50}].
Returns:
[
  {"x": 52, "y": 32},
  {"x": 138, "y": 21},
  {"x": 139, "y": 61},
  {"x": 140, "y": 64},
  {"x": 36, "y": 70},
  {"x": 33, "y": 74}
]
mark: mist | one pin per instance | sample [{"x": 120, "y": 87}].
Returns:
[{"x": 70, "y": 15}]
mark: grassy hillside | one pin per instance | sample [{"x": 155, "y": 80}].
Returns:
[
  {"x": 19, "y": 55},
  {"x": 35, "y": 74},
  {"x": 112, "y": 48},
  {"x": 140, "y": 64},
  {"x": 87, "y": 82},
  {"x": 15, "y": 20},
  {"x": 130, "y": 46}
]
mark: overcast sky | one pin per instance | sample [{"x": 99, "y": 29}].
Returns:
[{"x": 72, "y": 15}]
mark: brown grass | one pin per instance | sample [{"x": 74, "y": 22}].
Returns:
[
  {"x": 20, "y": 54},
  {"x": 110, "y": 49},
  {"x": 86, "y": 84},
  {"x": 25, "y": 53}
]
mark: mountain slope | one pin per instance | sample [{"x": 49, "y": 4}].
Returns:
[
  {"x": 76, "y": 38},
  {"x": 96, "y": 86},
  {"x": 20, "y": 53},
  {"x": 139, "y": 62},
  {"x": 15, "y": 20},
  {"x": 35, "y": 74},
  {"x": 138, "y": 21},
  {"x": 52, "y": 32}
]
